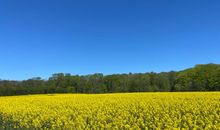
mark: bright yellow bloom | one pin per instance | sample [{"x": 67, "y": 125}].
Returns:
[{"x": 131, "y": 111}]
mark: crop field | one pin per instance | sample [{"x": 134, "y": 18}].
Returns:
[{"x": 111, "y": 111}]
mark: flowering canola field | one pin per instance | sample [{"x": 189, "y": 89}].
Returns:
[{"x": 112, "y": 111}]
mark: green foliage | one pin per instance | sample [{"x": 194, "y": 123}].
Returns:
[{"x": 200, "y": 78}]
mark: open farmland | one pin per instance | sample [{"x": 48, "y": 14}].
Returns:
[{"x": 199, "y": 110}]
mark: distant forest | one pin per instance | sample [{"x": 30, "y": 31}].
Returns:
[{"x": 199, "y": 78}]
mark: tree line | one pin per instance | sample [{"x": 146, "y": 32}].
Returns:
[{"x": 199, "y": 78}]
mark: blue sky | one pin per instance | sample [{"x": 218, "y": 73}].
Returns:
[{"x": 42, "y": 37}]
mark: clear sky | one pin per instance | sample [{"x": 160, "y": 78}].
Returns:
[{"x": 42, "y": 37}]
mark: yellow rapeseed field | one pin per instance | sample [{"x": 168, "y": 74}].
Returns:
[{"x": 112, "y": 111}]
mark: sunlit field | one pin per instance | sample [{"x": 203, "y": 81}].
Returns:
[{"x": 112, "y": 111}]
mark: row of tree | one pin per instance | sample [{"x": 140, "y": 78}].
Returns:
[{"x": 200, "y": 78}]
